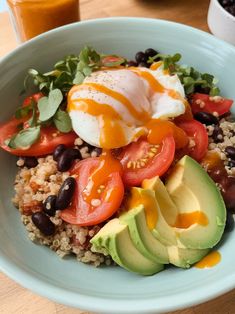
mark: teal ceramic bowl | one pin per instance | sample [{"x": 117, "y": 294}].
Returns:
[{"x": 110, "y": 289}]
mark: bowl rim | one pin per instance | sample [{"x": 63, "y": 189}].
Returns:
[{"x": 60, "y": 295}]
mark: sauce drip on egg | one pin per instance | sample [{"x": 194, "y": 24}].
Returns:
[{"x": 117, "y": 104}]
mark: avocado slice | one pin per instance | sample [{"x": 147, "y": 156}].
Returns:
[
  {"x": 178, "y": 256},
  {"x": 192, "y": 190},
  {"x": 114, "y": 238},
  {"x": 184, "y": 258},
  {"x": 160, "y": 228},
  {"x": 142, "y": 237},
  {"x": 168, "y": 209}
]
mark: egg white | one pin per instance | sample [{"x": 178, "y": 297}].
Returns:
[{"x": 137, "y": 90}]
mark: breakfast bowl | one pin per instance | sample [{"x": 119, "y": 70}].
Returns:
[{"x": 108, "y": 289}]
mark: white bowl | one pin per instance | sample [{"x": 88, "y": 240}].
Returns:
[{"x": 221, "y": 22}]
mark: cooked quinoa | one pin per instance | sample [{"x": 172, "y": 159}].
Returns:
[
  {"x": 32, "y": 187},
  {"x": 220, "y": 137}
]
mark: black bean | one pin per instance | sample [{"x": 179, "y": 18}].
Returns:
[
  {"x": 30, "y": 162},
  {"x": 150, "y": 52},
  {"x": 49, "y": 205},
  {"x": 74, "y": 152},
  {"x": 43, "y": 223},
  {"x": 97, "y": 150},
  {"x": 132, "y": 63},
  {"x": 65, "y": 193},
  {"x": 206, "y": 118},
  {"x": 230, "y": 152},
  {"x": 144, "y": 64},
  {"x": 64, "y": 162},
  {"x": 58, "y": 151},
  {"x": 203, "y": 90},
  {"x": 231, "y": 163},
  {"x": 218, "y": 135},
  {"x": 229, "y": 222},
  {"x": 228, "y": 195},
  {"x": 140, "y": 57},
  {"x": 219, "y": 175},
  {"x": 226, "y": 2},
  {"x": 66, "y": 159}
]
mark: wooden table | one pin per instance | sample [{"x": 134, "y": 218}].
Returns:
[{"x": 15, "y": 299}]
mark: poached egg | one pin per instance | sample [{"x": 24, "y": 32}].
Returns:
[{"x": 111, "y": 107}]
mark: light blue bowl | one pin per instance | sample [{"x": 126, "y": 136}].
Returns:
[{"x": 108, "y": 290}]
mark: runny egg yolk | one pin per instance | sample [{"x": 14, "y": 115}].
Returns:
[{"x": 113, "y": 128}]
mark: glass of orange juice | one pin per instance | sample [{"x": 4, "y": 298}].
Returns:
[{"x": 33, "y": 17}]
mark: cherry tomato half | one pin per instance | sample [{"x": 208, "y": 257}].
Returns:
[
  {"x": 108, "y": 196},
  {"x": 50, "y": 137},
  {"x": 206, "y": 103},
  {"x": 142, "y": 160},
  {"x": 34, "y": 97},
  {"x": 199, "y": 139}
]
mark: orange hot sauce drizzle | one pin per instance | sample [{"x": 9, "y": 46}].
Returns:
[
  {"x": 158, "y": 129},
  {"x": 109, "y": 121},
  {"x": 212, "y": 160},
  {"x": 154, "y": 66},
  {"x": 185, "y": 220},
  {"x": 209, "y": 261},
  {"x": 111, "y": 133},
  {"x": 142, "y": 116},
  {"x": 156, "y": 85},
  {"x": 108, "y": 164},
  {"x": 149, "y": 204},
  {"x": 153, "y": 83}
]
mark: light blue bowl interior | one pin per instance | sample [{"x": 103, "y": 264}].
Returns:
[{"x": 111, "y": 289}]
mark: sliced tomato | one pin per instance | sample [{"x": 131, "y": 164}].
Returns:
[
  {"x": 206, "y": 103},
  {"x": 49, "y": 139},
  {"x": 34, "y": 97},
  {"x": 186, "y": 116},
  {"x": 142, "y": 160},
  {"x": 107, "y": 198},
  {"x": 112, "y": 60},
  {"x": 199, "y": 139}
]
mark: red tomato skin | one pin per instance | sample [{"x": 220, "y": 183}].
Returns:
[
  {"x": 50, "y": 137},
  {"x": 44, "y": 146},
  {"x": 197, "y": 131},
  {"x": 80, "y": 212},
  {"x": 222, "y": 106},
  {"x": 34, "y": 97},
  {"x": 157, "y": 166}
]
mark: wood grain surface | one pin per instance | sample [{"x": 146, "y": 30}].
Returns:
[{"x": 14, "y": 298}]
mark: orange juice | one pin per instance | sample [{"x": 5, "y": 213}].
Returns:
[{"x": 33, "y": 17}]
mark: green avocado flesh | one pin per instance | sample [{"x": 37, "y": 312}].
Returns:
[
  {"x": 191, "y": 189},
  {"x": 115, "y": 238},
  {"x": 184, "y": 258},
  {"x": 181, "y": 257},
  {"x": 142, "y": 237},
  {"x": 150, "y": 233},
  {"x": 166, "y": 210}
]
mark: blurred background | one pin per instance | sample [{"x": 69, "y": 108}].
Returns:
[
  {"x": 3, "y": 5},
  {"x": 189, "y": 12}
]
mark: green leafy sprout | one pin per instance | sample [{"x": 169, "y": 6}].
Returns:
[
  {"x": 191, "y": 79},
  {"x": 51, "y": 109}
]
